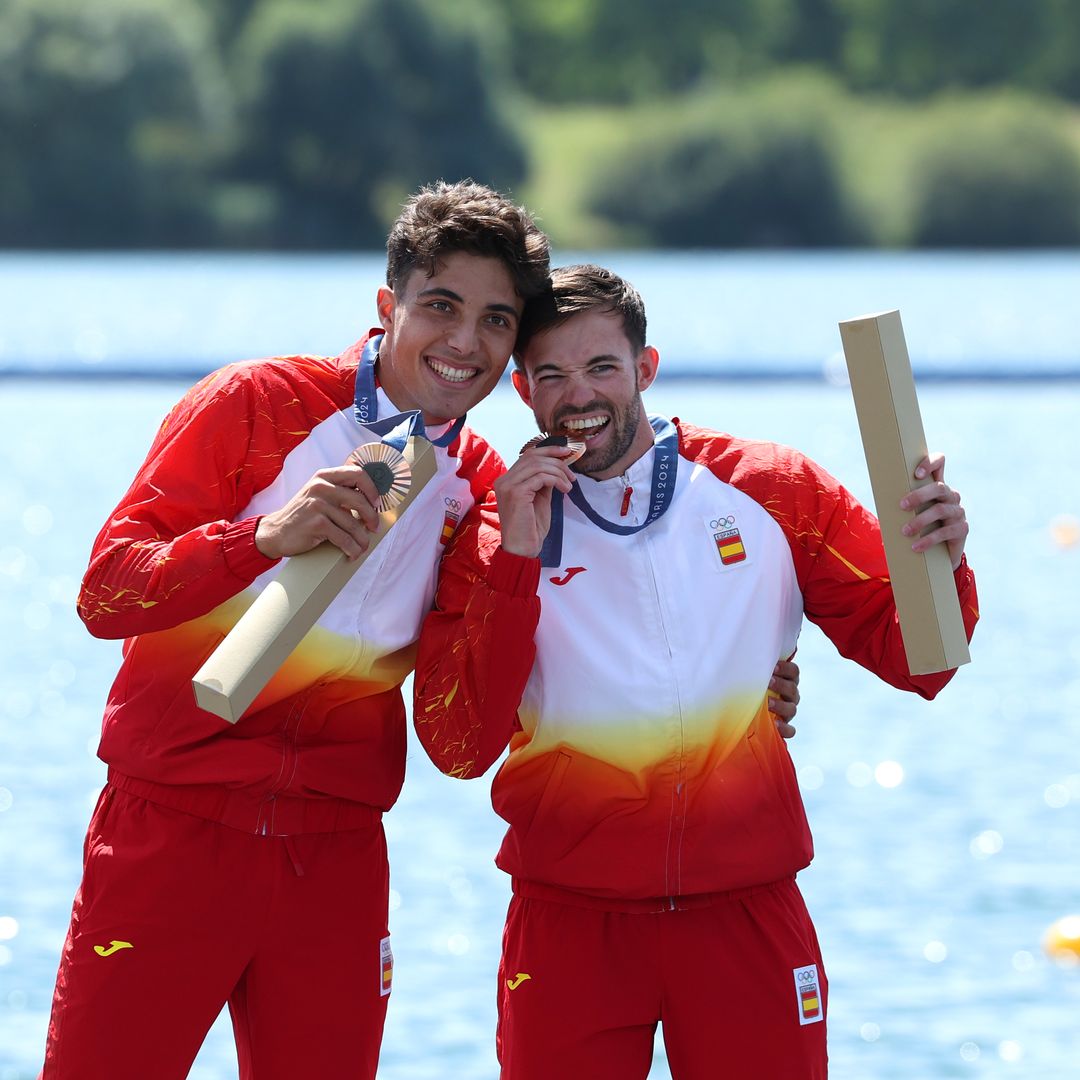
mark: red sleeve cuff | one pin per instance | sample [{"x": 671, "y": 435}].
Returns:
[
  {"x": 515, "y": 575},
  {"x": 963, "y": 575},
  {"x": 242, "y": 557}
]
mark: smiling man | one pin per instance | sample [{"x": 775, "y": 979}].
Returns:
[
  {"x": 246, "y": 864},
  {"x": 616, "y": 622}
]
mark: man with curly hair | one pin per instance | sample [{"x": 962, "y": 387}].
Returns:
[{"x": 246, "y": 864}]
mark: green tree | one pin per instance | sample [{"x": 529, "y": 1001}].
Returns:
[
  {"x": 814, "y": 34},
  {"x": 632, "y": 50},
  {"x": 995, "y": 172},
  {"x": 353, "y": 103},
  {"x": 228, "y": 19},
  {"x": 757, "y": 169},
  {"x": 1055, "y": 66},
  {"x": 110, "y": 116},
  {"x": 916, "y": 47}
]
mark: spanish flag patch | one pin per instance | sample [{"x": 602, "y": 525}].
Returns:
[
  {"x": 386, "y": 967},
  {"x": 730, "y": 545},
  {"x": 808, "y": 994},
  {"x": 448, "y": 526}
]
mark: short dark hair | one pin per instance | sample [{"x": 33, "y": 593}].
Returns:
[
  {"x": 582, "y": 287},
  {"x": 443, "y": 218}
]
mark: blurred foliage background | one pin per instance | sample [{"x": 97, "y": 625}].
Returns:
[{"x": 303, "y": 124}]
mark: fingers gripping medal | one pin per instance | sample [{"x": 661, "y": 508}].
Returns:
[
  {"x": 388, "y": 471},
  {"x": 575, "y": 446},
  {"x": 549, "y": 553}
]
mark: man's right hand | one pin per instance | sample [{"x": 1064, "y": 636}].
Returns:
[
  {"x": 523, "y": 494},
  {"x": 335, "y": 504}
]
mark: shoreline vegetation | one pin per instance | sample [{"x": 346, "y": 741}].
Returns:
[{"x": 283, "y": 125}]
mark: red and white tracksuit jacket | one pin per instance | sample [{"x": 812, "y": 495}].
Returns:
[
  {"x": 631, "y": 682},
  {"x": 323, "y": 747}
]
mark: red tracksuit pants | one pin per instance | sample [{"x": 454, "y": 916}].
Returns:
[
  {"x": 738, "y": 986},
  {"x": 177, "y": 915}
]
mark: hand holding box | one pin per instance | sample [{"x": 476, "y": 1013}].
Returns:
[{"x": 291, "y": 604}]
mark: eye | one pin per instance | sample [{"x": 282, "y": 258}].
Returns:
[
  {"x": 439, "y": 305},
  {"x": 500, "y": 321},
  {"x": 602, "y": 369}
]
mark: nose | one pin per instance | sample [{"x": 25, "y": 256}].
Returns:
[
  {"x": 463, "y": 338},
  {"x": 576, "y": 390}
]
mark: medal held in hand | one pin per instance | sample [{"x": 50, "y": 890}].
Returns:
[
  {"x": 388, "y": 470},
  {"x": 575, "y": 446}
]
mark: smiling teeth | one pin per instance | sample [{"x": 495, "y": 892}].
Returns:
[
  {"x": 586, "y": 424},
  {"x": 451, "y": 373}
]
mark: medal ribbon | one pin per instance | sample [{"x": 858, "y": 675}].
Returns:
[
  {"x": 665, "y": 466},
  {"x": 396, "y": 429}
]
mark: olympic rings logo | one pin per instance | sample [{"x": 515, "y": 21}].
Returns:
[
  {"x": 723, "y": 522},
  {"x": 452, "y": 504},
  {"x": 807, "y": 976}
]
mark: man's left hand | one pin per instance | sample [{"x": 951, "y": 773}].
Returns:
[
  {"x": 784, "y": 696},
  {"x": 940, "y": 516}
]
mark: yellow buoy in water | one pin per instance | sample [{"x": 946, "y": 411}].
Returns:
[
  {"x": 1065, "y": 531},
  {"x": 1062, "y": 940}
]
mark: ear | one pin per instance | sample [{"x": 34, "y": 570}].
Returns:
[
  {"x": 521, "y": 385},
  {"x": 385, "y": 302},
  {"x": 647, "y": 364}
]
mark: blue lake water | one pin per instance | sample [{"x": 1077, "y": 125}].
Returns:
[
  {"x": 947, "y": 833},
  {"x": 739, "y": 313}
]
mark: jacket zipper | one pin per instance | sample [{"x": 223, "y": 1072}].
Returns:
[
  {"x": 289, "y": 755},
  {"x": 677, "y": 822}
]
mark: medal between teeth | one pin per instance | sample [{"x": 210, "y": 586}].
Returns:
[
  {"x": 388, "y": 470},
  {"x": 575, "y": 446}
]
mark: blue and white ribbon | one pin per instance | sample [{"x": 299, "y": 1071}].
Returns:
[
  {"x": 665, "y": 467},
  {"x": 393, "y": 430}
]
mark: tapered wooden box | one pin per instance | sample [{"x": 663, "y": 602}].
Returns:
[{"x": 894, "y": 443}]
